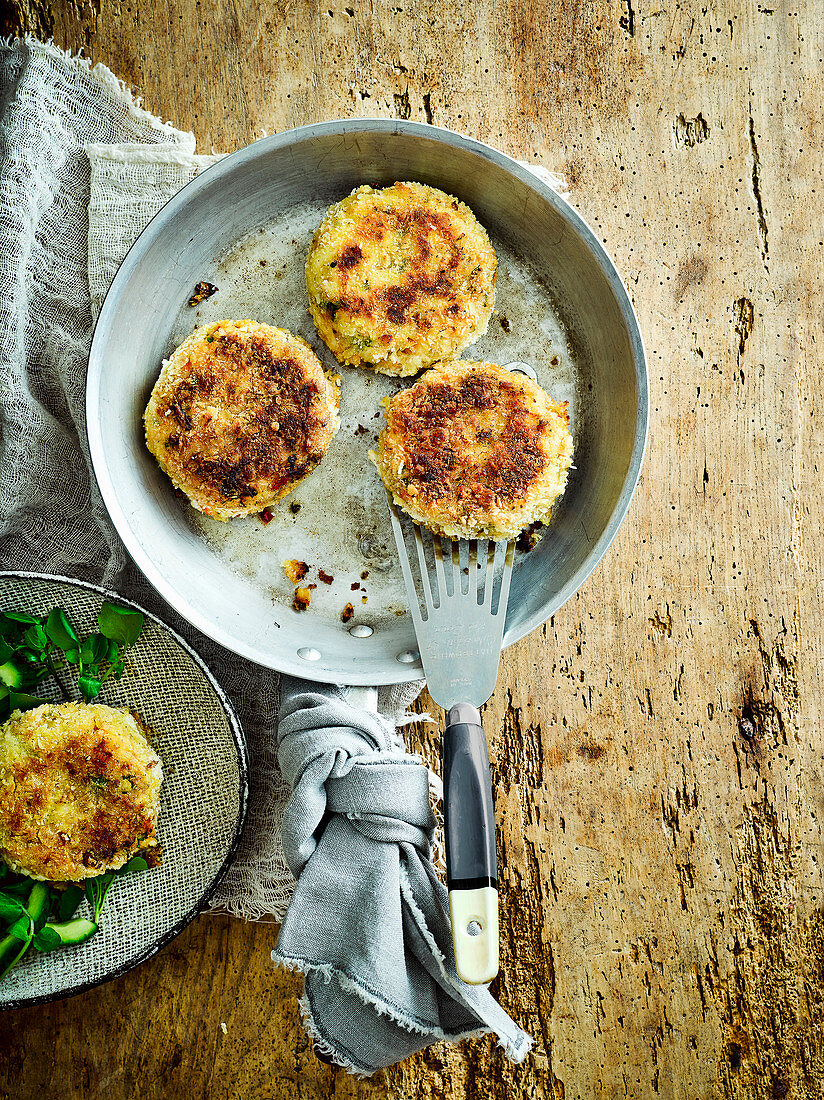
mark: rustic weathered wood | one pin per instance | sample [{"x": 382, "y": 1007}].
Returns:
[{"x": 658, "y": 745}]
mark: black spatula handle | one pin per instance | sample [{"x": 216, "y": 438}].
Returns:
[{"x": 469, "y": 812}]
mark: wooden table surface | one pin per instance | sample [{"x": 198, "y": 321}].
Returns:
[{"x": 657, "y": 762}]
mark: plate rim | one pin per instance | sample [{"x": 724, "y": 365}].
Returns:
[
  {"x": 283, "y": 661},
  {"x": 243, "y": 777}
]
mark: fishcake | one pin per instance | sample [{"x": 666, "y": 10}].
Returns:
[
  {"x": 79, "y": 791},
  {"x": 400, "y": 278},
  {"x": 241, "y": 413},
  {"x": 475, "y": 451}
]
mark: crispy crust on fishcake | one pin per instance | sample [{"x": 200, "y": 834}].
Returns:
[
  {"x": 79, "y": 791},
  {"x": 241, "y": 413},
  {"x": 400, "y": 278},
  {"x": 473, "y": 450}
]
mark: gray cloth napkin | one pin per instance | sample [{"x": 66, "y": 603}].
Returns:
[{"x": 368, "y": 922}]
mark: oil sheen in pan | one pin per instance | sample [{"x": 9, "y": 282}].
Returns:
[{"x": 337, "y": 520}]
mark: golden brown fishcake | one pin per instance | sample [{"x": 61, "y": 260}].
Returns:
[
  {"x": 473, "y": 450},
  {"x": 400, "y": 278},
  {"x": 79, "y": 791},
  {"x": 240, "y": 415}
]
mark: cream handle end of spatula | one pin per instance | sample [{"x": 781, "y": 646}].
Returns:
[{"x": 474, "y": 918}]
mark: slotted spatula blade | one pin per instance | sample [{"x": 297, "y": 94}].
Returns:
[{"x": 457, "y": 594}]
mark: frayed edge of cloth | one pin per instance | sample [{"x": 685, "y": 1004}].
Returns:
[
  {"x": 328, "y": 972},
  {"x": 555, "y": 180},
  {"x": 242, "y": 909},
  {"x": 116, "y": 88},
  {"x": 326, "y": 1049},
  {"x": 410, "y": 717}
]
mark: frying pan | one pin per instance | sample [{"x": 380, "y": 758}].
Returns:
[{"x": 244, "y": 225}]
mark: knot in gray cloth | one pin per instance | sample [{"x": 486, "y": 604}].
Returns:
[
  {"x": 385, "y": 800},
  {"x": 368, "y": 922}
]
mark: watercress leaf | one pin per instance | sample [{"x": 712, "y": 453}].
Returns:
[
  {"x": 60, "y": 630},
  {"x": 6, "y": 651},
  {"x": 136, "y": 863},
  {"x": 19, "y": 700},
  {"x": 20, "y": 617},
  {"x": 10, "y": 907},
  {"x": 89, "y": 686},
  {"x": 87, "y": 652},
  {"x": 68, "y": 902},
  {"x": 121, "y": 624},
  {"x": 22, "y": 928},
  {"x": 99, "y": 647},
  {"x": 113, "y": 652},
  {"x": 72, "y": 656},
  {"x": 46, "y": 939},
  {"x": 35, "y": 637}
]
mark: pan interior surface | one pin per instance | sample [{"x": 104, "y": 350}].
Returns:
[{"x": 245, "y": 226}]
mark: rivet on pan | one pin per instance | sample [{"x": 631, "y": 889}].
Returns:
[
  {"x": 309, "y": 654},
  {"x": 408, "y": 657},
  {"x": 361, "y": 630},
  {"x": 523, "y": 368}
]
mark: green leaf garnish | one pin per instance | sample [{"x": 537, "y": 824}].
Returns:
[
  {"x": 121, "y": 624},
  {"x": 19, "y": 700},
  {"x": 35, "y": 638},
  {"x": 10, "y": 907},
  {"x": 22, "y": 927},
  {"x": 46, "y": 940},
  {"x": 68, "y": 902},
  {"x": 136, "y": 863},
  {"x": 89, "y": 686},
  {"x": 60, "y": 630}
]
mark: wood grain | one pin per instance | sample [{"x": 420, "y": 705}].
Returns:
[{"x": 657, "y": 746}]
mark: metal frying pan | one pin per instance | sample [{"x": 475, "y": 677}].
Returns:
[{"x": 244, "y": 225}]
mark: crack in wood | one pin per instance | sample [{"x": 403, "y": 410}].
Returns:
[
  {"x": 627, "y": 21},
  {"x": 756, "y": 191},
  {"x": 743, "y": 316}
]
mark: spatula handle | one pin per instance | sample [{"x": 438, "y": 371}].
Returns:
[{"x": 471, "y": 862}]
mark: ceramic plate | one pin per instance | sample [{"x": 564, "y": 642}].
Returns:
[{"x": 203, "y": 797}]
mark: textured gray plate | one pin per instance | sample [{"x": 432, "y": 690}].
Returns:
[
  {"x": 202, "y": 803},
  {"x": 554, "y": 265}
]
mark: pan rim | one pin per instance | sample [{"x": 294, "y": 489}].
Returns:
[{"x": 286, "y": 661}]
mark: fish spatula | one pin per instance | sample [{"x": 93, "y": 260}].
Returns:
[{"x": 457, "y": 597}]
